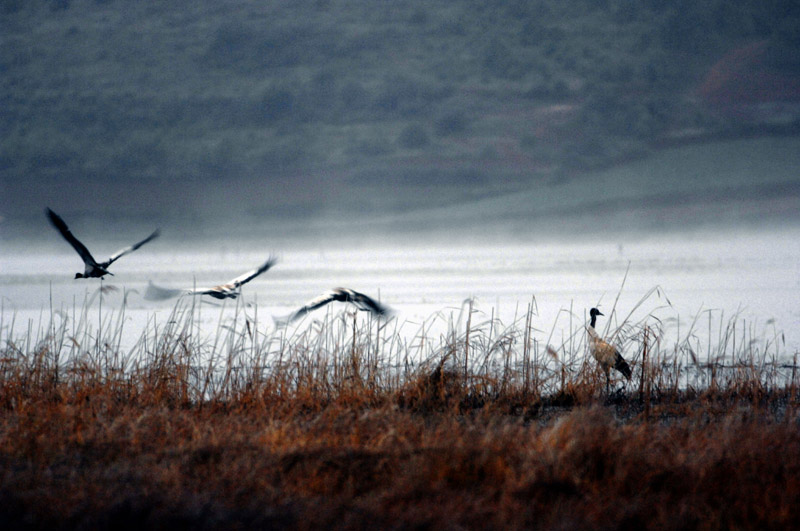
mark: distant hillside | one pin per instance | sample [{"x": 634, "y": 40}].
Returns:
[
  {"x": 685, "y": 188},
  {"x": 132, "y": 107}
]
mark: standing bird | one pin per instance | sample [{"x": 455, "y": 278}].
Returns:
[
  {"x": 223, "y": 291},
  {"x": 361, "y": 301},
  {"x": 605, "y": 353},
  {"x": 92, "y": 268}
]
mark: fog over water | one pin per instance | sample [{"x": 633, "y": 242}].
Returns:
[
  {"x": 752, "y": 276},
  {"x": 421, "y": 152}
]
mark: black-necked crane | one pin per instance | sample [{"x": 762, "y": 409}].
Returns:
[
  {"x": 361, "y": 301},
  {"x": 605, "y": 353},
  {"x": 92, "y": 268},
  {"x": 229, "y": 290}
]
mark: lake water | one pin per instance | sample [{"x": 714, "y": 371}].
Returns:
[{"x": 753, "y": 275}]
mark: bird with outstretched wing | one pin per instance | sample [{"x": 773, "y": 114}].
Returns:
[
  {"x": 229, "y": 290},
  {"x": 92, "y": 268},
  {"x": 361, "y": 301}
]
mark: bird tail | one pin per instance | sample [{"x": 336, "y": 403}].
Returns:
[{"x": 622, "y": 366}]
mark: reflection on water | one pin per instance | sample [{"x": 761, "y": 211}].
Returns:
[{"x": 754, "y": 276}]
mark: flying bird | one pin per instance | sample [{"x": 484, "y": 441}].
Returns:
[
  {"x": 361, "y": 301},
  {"x": 92, "y": 268},
  {"x": 223, "y": 291},
  {"x": 605, "y": 353}
]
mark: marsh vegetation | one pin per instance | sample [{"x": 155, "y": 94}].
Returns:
[{"x": 344, "y": 423}]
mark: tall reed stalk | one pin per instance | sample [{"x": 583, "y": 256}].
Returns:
[{"x": 478, "y": 359}]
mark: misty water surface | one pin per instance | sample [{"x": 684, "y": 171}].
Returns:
[{"x": 753, "y": 277}]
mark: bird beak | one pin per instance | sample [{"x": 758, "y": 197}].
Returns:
[{"x": 600, "y": 313}]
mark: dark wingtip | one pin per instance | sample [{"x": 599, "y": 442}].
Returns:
[{"x": 55, "y": 220}]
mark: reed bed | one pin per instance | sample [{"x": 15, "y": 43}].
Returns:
[{"x": 346, "y": 421}]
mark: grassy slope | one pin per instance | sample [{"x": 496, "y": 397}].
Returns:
[
  {"x": 708, "y": 184},
  {"x": 127, "y": 98}
]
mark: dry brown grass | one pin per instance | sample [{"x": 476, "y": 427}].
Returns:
[{"x": 334, "y": 427}]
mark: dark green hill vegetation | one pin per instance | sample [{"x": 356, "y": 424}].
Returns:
[{"x": 167, "y": 93}]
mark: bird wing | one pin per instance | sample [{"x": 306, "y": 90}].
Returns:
[
  {"x": 200, "y": 291},
  {"x": 337, "y": 294},
  {"x": 218, "y": 292},
  {"x": 310, "y": 306},
  {"x": 250, "y": 275},
  {"x": 122, "y": 252},
  {"x": 59, "y": 224},
  {"x": 157, "y": 293},
  {"x": 367, "y": 303}
]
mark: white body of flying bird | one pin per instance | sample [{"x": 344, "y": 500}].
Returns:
[
  {"x": 605, "y": 353},
  {"x": 229, "y": 290},
  {"x": 361, "y": 301},
  {"x": 92, "y": 268}
]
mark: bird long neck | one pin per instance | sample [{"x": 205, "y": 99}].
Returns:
[{"x": 594, "y": 320}]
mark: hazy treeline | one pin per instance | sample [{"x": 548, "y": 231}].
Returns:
[{"x": 223, "y": 89}]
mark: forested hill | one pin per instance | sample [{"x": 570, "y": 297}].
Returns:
[{"x": 298, "y": 102}]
